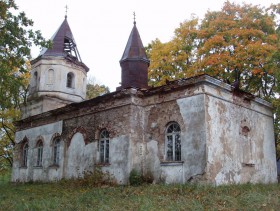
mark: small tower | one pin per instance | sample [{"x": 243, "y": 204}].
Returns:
[
  {"x": 58, "y": 75},
  {"x": 134, "y": 62}
]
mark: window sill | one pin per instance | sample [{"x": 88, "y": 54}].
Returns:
[
  {"x": 54, "y": 166},
  {"x": 23, "y": 167},
  {"x": 171, "y": 163},
  {"x": 37, "y": 167},
  {"x": 102, "y": 164}
]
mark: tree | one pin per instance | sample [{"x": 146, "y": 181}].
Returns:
[
  {"x": 239, "y": 44},
  {"x": 95, "y": 90},
  {"x": 16, "y": 39},
  {"x": 174, "y": 59}
]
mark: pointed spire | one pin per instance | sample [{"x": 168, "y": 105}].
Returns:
[
  {"x": 134, "y": 49},
  {"x": 134, "y": 62},
  {"x": 63, "y": 43}
]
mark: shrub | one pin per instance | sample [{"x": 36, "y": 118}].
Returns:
[{"x": 135, "y": 178}]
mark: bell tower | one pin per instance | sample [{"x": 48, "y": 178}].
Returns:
[
  {"x": 134, "y": 62},
  {"x": 58, "y": 75}
]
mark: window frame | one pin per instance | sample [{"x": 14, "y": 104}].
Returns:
[
  {"x": 56, "y": 150},
  {"x": 173, "y": 137},
  {"x": 104, "y": 147},
  {"x": 40, "y": 147},
  {"x": 25, "y": 149},
  {"x": 70, "y": 80}
]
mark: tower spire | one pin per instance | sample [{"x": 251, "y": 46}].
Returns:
[
  {"x": 134, "y": 18},
  {"x": 66, "y": 10},
  {"x": 134, "y": 62}
]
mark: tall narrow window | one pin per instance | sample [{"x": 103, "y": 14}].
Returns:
[
  {"x": 56, "y": 150},
  {"x": 39, "y": 153},
  {"x": 104, "y": 146},
  {"x": 50, "y": 76},
  {"x": 173, "y": 142},
  {"x": 24, "y": 154},
  {"x": 70, "y": 80},
  {"x": 36, "y": 80}
]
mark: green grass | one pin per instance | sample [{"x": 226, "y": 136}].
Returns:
[{"x": 73, "y": 196}]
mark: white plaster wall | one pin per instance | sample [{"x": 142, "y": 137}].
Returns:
[
  {"x": 79, "y": 157},
  {"x": 193, "y": 136},
  {"x": 61, "y": 68},
  {"x": 32, "y": 172},
  {"x": 119, "y": 159},
  {"x": 233, "y": 157}
]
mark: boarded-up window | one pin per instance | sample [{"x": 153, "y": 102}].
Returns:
[{"x": 50, "y": 76}]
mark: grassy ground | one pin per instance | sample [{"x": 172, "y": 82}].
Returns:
[{"x": 75, "y": 196}]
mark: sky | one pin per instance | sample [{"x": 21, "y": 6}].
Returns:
[{"x": 101, "y": 28}]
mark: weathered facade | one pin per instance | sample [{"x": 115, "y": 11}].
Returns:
[{"x": 195, "y": 129}]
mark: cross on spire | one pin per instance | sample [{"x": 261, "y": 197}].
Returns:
[
  {"x": 66, "y": 10},
  {"x": 134, "y": 17}
]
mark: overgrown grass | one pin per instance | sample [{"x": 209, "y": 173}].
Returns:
[
  {"x": 73, "y": 195},
  {"x": 5, "y": 177}
]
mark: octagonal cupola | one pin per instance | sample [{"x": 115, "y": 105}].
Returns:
[{"x": 58, "y": 75}]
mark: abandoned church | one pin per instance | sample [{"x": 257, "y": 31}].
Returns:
[{"x": 195, "y": 129}]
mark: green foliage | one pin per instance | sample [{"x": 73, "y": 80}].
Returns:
[
  {"x": 95, "y": 90},
  {"x": 58, "y": 196},
  {"x": 5, "y": 173},
  {"x": 135, "y": 178},
  {"x": 16, "y": 39}
]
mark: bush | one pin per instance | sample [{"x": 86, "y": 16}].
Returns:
[
  {"x": 97, "y": 178},
  {"x": 135, "y": 178}
]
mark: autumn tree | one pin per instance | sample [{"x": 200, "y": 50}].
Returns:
[
  {"x": 16, "y": 39},
  {"x": 94, "y": 89},
  {"x": 174, "y": 59},
  {"x": 239, "y": 43}
]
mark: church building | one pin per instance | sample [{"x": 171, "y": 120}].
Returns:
[{"x": 197, "y": 129}]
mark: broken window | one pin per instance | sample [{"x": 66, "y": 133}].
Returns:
[
  {"x": 70, "y": 80},
  {"x": 104, "y": 146},
  {"x": 39, "y": 153},
  {"x": 173, "y": 142},
  {"x": 24, "y": 154},
  {"x": 56, "y": 150}
]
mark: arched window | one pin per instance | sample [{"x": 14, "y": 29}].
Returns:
[
  {"x": 173, "y": 142},
  {"x": 24, "y": 154},
  {"x": 70, "y": 80},
  {"x": 50, "y": 76},
  {"x": 56, "y": 150},
  {"x": 104, "y": 146},
  {"x": 39, "y": 153}
]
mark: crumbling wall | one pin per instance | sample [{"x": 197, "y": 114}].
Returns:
[
  {"x": 240, "y": 139},
  {"x": 187, "y": 109},
  {"x": 31, "y": 172}
]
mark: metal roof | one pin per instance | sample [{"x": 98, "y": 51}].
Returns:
[
  {"x": 63, "y": 43},
  {"x": 134, "y": 49}
]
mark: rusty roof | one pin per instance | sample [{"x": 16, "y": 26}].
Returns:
[
  {"x": 134, "y": 49},
  {"x": 64, "y": 45}
]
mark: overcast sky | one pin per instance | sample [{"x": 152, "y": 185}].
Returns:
[{"x": 101, "y": 28}]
